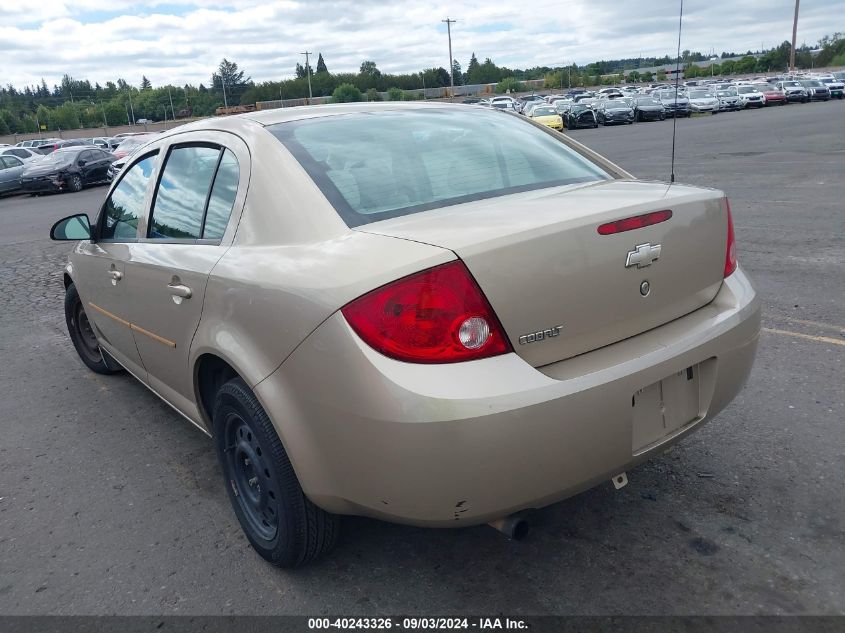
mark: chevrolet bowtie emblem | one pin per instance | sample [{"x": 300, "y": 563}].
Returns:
[{"x": 643, "y": 255}]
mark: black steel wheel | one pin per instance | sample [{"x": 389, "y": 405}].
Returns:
[
  {"x": 279, "y": 521},
  {"x": 82, "y": 334}
]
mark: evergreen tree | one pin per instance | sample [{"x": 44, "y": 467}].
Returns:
[
  {"x": 456, "y": 72},
  {"x": 473, "y": 70},
  {"x": 321, "y": 65},
  {"x": 145, "y": 83}
]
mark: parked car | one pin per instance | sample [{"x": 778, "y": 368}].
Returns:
[
  {"x": 67, "y": 169},
  {"x": 130, "y": 143},
  {"x": 11, "y": 168},
  {"x": 579, "y": 115},
  {"x": 143, "y": 121},
  {"x": 772, "y": 95},
  {"x": 53, "y": 145},
  {"x": 26, "y": 154},
  {"x": 728, "y": 100},
  {"x": 750, "y": 97},
  {"x": 836, "y": 87},
  {"x": 100, "y": 141},
  {"x": 422, "y": 348},
  {"x": 793, "y": 90},
  {"x": 610, "y": 111},
  {"x": 702, "y": 101},
  {"x": 816, "y": 90},
  {"x": 674, "y": 105},
  {"x": 647, "y": 108},
  {"x": 548, "y": 116}
]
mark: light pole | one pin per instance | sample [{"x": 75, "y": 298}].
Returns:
[
  {"x": 129, "y": 92},
  {"x": 794, "y": 35},
  {"x": 308, "y": 75},
  {"x": 449, "y": 22}
]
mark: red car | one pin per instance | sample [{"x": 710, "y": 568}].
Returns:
[{"x": 772, "y": 94}]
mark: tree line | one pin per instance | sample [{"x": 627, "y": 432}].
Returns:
[{"x": 76, "y": 103}]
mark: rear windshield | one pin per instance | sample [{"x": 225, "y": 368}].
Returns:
[{"x": 377, "y": 165}]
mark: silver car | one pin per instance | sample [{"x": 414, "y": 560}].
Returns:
[
  {"x": 425, "y": 313},
  {"x": 11, "y": 168},
  {"x": 703, "y": 101}
]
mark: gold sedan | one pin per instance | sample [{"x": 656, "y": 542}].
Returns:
[{"x": 430, "y": 314}]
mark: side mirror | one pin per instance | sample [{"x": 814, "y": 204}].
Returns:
[
  {"x": 82, "y": 163},
  {"x": 73, "y": 228}
]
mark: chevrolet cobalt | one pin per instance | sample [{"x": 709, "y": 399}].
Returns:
[{"x": 437, "y": 315}]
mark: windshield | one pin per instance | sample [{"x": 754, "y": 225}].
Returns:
[
  {"x": 726, "y": 93},
  {"x": 132, "y": 142},
  {"x": 543, "y": 111},
  {"x": 372, "y": 166},
  {"x": 812, "y": 84},
  {"x": 616, "y": 105},
  {"x": 59, "y": 157},
  {"x": 744, "y": 90},
  {"x": 648, "y": 102},
  {"x": 765, "y": 87},
  {"x": 700, "y": 94},
  {"x": 792, "y": 84}
]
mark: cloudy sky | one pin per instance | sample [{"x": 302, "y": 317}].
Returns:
[{"x": 179, "y": 41}]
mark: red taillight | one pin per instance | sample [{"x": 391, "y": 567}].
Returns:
[
  {"x": 730, "y": 253},
  {"x": 438, "y": 315},
  {"x": 636, "y": 222}
]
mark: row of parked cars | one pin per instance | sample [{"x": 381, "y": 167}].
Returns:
[
  {"x": 58, "y": 165},
  {"x": 579, "y": 107}
]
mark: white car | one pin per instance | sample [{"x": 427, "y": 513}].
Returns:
[
  {"x": 750, "y": 97},
  {"x": 25, "y": 154}
]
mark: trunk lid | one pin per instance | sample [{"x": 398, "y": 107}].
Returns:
[{"x": 541, "y": 262}]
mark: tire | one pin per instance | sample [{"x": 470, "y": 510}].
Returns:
[
  {"x": 82, "y": 335},
  {"x": 279, "y": 521},
  {"x": 75, "y": 183}
]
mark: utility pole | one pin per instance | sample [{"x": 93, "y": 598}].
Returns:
[
  {"x": 172, "y": 111},
  {"x": 132, "y": 122},
  {"x": 225, "y": 101},
  {"x": 449, "y": 24},
  {"x": 103, "y": 110},
  {"x": 308, "y": 75},
  {"x": 794, "y": 35}
]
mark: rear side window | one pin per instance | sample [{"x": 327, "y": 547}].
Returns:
[
  {"x": 373, "y": 166},
  {"x": 222, "y": 197},
  {"x": 183, "y": 191},
  {"x": 126, "y": 203}
]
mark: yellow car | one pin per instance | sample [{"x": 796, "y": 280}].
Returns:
[{"x": 547, "y": 115}]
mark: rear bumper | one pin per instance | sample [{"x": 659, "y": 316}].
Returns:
[{"x": 461, "y": 444}]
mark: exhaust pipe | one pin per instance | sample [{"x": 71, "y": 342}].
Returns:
[{"x": 514, "y": 526}]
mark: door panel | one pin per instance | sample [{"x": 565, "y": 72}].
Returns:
[
  {"x": 100, "y": 276},
  {"x": 172, "y": 280}
]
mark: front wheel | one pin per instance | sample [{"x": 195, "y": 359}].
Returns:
[
  {"x": 281, "y": 523},
  {"x": 75, "y": 183},
  {"x": 82, "y": 334}
]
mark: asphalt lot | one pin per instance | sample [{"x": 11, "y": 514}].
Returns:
[{"x": 112, "y": 504}]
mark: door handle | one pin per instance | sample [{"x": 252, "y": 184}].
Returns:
[
  {"x": 116, "y": 275},
  {"x": 178, "y": 290}
]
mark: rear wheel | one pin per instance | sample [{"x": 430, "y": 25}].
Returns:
[
  {"x": 281, "y": 523},
  {"x": 82, "y": 334}
]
